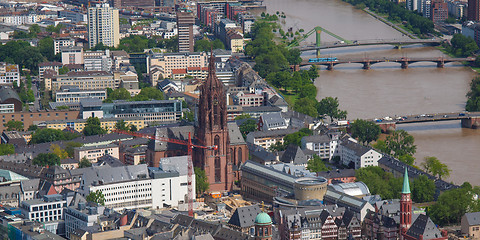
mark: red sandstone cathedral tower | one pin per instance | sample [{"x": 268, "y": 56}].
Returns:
[{"x": 212, "y": 129}]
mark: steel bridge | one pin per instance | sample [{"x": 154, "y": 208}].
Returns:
[{"x": 395, "y": 42}]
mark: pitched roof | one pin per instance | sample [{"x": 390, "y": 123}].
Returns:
[
  {"x": 357, "y": 148},
  {"x": 295, "y": 155},
  {"x": 244, "y": 216},
  {"x": 234, "y": 134},
  {"x": 273, "y": 120},
  {"x": 8, "y": 93},
  {"x": 317, "y": 138},
  {"x": 424, "y": 226},
  {"x": 473, "y": 219}
]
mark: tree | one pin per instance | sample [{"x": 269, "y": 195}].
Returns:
[
  {"x": 204, "y": 45},
  {"x": 400, "y": 143},
  {"x": 243, "y": 116},
  {"x": 473, "y": 102},
  {"x": 96, "y": 197},
  {"x": 57, "y": 150},
  {"x": 407, "y": 158},
  {"x": 365, "y": 131},
  {"x": 50, "y": 135},
  {"x": 316, "y": 164},
  {"x": 6, "y": 149},
  {"x": 93, "y": 127},
  {"x": 381, "y": 146},
  {"x": 250, "y": 125},
  {"x": 433, "y": 166},
  {"x": 46, "y": 47},
  {"x": 63, "y": 70},
  {"x": 46, "y": 159},
  {"x": 462, "y": 45},
  {"x": 34, "y": 30},
  {"x": 313, "y": 72},
  {"x": 296, "y": 138},
  {"x": 277, "y": 147},
  {"x": 452, "y": 205},
  {"x": 69, "y": 147},
  {"x": 329, "y": 106},
  {"x": 13, "y": 125},
  {"x": 201, "y": 181},
  {"x": 149, "y": 93},
  {"x": 84, "y": 163},
  {"x": 121, "y": 125},
  {"x": 380, "y": 182},
  {"x": 133, "y": 128},
  {"x": 423, "y": 189},
  {"x": 306, "y": 106},
  {"x": 32, "y": 127},
  {"x": 117, "y": 94}
]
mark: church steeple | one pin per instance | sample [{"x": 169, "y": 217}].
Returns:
[{"x": 406, "y": 183}]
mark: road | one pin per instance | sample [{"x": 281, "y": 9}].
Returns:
[{"x": 36, "y": 93}]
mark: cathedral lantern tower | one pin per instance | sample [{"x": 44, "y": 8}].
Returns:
[{"x": 212, "y": 129}]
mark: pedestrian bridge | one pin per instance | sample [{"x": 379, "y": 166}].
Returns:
[{"x": 396, "y": 42}]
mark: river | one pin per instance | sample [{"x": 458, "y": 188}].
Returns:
[{"x": 386, "y": 89}]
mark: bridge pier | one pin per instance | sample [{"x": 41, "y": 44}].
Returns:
[
  {"x": 387, "y": 126},
  {"x": 366, "y": 65},
  {"x": 404, "y": 65},
  {"x": 398, "y": 47},
  {"x": 330, "y": 66},
  {"x": 440, "y": 64},
  {"x": 471, "y": 122}
]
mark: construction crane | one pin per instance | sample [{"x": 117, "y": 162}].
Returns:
[
  {"x": 318, "y": 30},
  {"x": 190, "y": 147}
]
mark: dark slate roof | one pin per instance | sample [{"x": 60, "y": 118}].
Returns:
[
  {"x": 295, "y": 155},
  {"x": 108, "y": 160},
  {"x": 423, "y": 225},
  {"x": 228, "y": 234},
  {"x": 357, "y": 148},
  {"x": 473, "y": 219},
  {"x": 8, "y": 93},
  {"x": 165, "y": 83},
  {"x": 244, "y": 216},
  {"x": 389, "y": 222},
  {"x": 277, "y": 101},
  {"x": 316, "y": 139},
  {"x": 339, "y": 173},
  {"x": 273, "y": 120},
  {"x": 180, "y": 133},
  {"x": 271, "y": 133},
  {"x": 234, "y": 134},
  {"x": 261, "y": 153}
]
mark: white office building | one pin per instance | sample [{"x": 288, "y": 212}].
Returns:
[
  {"x": 357, "y": 155},
  {"x": 58, "y": 43},
  {"x": 103, "y": 25}
]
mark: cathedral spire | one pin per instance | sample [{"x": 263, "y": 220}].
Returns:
[{"x": 211, "y": 63}]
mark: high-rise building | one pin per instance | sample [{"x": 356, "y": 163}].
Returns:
[
  {"x": 473, "y": 10},
  {"x": 439, "y": 11},
  {"x": 185, "y": 22},
  {"x": 103, "y": 25}
]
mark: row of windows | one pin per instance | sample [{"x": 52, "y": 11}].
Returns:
[{"x": 129, "y": 191}]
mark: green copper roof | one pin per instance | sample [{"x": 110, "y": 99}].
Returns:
[
  {"x": 406, "y": 184},
  {"x": 263, "y": 218}
]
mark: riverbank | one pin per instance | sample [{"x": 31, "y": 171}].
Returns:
[{"x": 394, "y": 26}]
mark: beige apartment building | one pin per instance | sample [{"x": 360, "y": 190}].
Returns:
[
  {"x": 82, "y": 80},
  {"x": 92, "y": 153},
  {"x": 103, "y": 25},
  {"x": 162, "y": 64}
]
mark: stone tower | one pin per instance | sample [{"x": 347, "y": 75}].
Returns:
[
  {"x": 212, "y": 129},
  {"x": 263, "y": 227},
  {"x": 405, "y": 206}
]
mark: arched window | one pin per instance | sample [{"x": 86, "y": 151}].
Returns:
[
  {"x": 239, "y": 156},
  {"x": 216, "y": 112},
  {"x": 216, "y": 142},
  {"x": 218, "y": 170}
]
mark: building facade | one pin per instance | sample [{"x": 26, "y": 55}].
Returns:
[
  {"x": 103, "y": 25},
  {"x": 185, "y": 22},
  {"x": 9, "y": 74}
]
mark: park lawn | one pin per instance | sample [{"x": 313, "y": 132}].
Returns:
[{"x": 288, "y": 95}]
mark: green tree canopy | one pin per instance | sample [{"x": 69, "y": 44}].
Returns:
[
  {"x": 380, "y": 182},
  {"x": 96, "y": 197},
  {"x": 69, "y": 147},
  {"x": 93, "y": 127},
  {"x": 473, "y": 102},
  {"x": 423, "y": 189},
  {"x": 13, "y": 125},
  {"x": 452, "y": 205},
  {"x": 329, "y": 106},
  {"x": 250, "y": 125},
  {"x": 6, "y": 149},
  {"x": 462, "y": 45},
  {"x": 46, "y": 159},
  {"x": 84, "y": 163},
  {"x": 316, "y": 164},
  {"x": 433, "y": 166},
  {"x": 400, "y": 143},
  {"x": 201, "y": 181},
  {"x": 204, "y": 45},
  {"x": 243, "y": 116},
  {"x": 121, "y": 125},
  {"x": 365, "y": 131},
  {"x": 306, "y": 106},
  {"x": 149, "y": 93},
  {"x": 50, "y": 135}
]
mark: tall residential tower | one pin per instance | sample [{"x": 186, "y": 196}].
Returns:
[
  {"x": 185, "y": 22},
  {"x": 103, "y": 25}
]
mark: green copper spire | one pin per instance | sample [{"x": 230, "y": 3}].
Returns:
[{"x": 406, "y": 184}]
